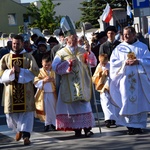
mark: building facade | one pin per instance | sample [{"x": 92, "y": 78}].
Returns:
[{"x": 12, "y": 16}]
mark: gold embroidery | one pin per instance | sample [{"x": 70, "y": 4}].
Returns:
[
  {"x": 75, "y": 88},
  {"x": 132, "y": 82},
  {"x": 17, "y": 62},
  {"x": 18, "y": 93}
]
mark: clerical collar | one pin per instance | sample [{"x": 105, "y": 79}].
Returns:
[
  {"x": 20, "y": 52},
  {"x": 132, "y": 41}
]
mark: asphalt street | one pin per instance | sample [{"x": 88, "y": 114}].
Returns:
[{"x": 114, "y": 138}]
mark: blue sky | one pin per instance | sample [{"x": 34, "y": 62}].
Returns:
[{"x": 27, "y": 1}]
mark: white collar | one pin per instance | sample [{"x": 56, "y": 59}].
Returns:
[
  {"x": 23, "y": 51},
  {"x": 113, "y": 41}
]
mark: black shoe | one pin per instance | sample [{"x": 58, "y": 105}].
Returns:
[
  {"x": 133, "y": 131},
  {"x": 78, "y": 133},
  {"x": 113, "y": 122},
  {"x": 87, "y": 132},
  {"x": 53, "y": 127},
  {"x": 108, "y": 123},
  {"x": 46, "y": 128},
  {"x": 130, "y": 131},
  {"x": 26, "y": 141},
  {"x": 139, "y": 130}
]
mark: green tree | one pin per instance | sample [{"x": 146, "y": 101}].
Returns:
[
  {"x": 44, "y": 17},
  {"x": 93, "y": 9}
]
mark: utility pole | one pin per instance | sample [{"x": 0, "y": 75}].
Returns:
[{"x": 142, "y": 22}]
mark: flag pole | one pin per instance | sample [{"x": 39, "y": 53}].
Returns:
[
  {"x": 93, "y": 91},
  {"x": 94, "y": 97},
  {"x": 99, "y": 125},
  {"x": 117, "y": 20}
]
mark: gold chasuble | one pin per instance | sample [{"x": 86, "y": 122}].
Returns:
[
  {"x": 77, "y": 85},
  {"x": 18, "y": 97}
]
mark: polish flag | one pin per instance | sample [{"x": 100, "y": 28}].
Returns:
[{"x": 107, "y": 14}]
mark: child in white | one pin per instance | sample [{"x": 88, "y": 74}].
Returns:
[
  {"x": 101, "y": 80},
  {"x": 45, "y": 97}
]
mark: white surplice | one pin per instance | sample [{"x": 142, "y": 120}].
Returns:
[{"x": 130, "y": 85}]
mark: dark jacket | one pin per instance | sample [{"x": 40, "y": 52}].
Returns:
[{"x": 108, "y": 47}]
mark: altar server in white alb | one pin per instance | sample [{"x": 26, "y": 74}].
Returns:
[
  {"x": 73, "y": 110},
  {"x": 130, "y": 81},
  {"x": 101, "y": 80},
  {"x": 17, "y": 71},
  {"x": 45, "y": 97}
]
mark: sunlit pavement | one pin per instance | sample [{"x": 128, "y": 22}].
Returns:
[{"x": 103, "y": 139}]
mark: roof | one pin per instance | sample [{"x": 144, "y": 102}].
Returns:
[{"x": 123, "y": 9}]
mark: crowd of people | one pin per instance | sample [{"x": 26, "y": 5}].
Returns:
[{"x": 56, "y": 85}]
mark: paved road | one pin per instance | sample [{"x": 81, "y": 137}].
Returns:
[{"x": 108, "y": 139}]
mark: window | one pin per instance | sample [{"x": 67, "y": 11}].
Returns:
[{"x": 12, "y": 19}]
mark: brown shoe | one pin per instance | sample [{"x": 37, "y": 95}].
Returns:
[
  {"x": 18, "y": 136},
  {"x": 26, "y": 141}
]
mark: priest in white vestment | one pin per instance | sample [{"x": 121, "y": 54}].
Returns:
[{"x": 130, "y": 82}]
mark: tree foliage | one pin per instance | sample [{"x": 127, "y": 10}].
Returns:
[
  {"x": 44, "y": 17},
  {"x": 93, "y": 9}
]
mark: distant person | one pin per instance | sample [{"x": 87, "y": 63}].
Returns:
[
  {"x": 108, "y": 46},
  {"x": 52, "y": 41},
  {"x": 101, "y": 37},
  {"x": 40, "y": 52},
  {"x": 26, "y": 43},
  {"x": 3, "y": 51},
  {"x": 119, "y": 36},
  {"x": 81, "y": 41},
  {"x": 27, "y": 46},
  {"x": 34, "y": 38},
  {"x": 94, "y": 40},
  {"x": 6, "y": 49},
  {"x": 141, "y": 38},
  {"x": 56, "y": 47},
  {"x": 62, "y": 43}
]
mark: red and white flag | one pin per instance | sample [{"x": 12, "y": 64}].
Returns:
[{"x": 107, "y": 14}]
